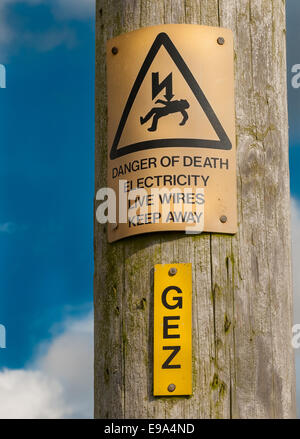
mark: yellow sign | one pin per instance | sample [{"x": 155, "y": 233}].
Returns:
[
  {"x": 171, "y": 130},
  {"x": 172, "y": 329}
]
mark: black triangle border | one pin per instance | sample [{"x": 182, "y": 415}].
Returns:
[{"x": 224, "y": 143}]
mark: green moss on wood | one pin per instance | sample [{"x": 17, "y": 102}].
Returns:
[{"x": 227, "y": 324}]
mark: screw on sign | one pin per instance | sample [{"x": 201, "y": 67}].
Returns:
[{"x": 172, "y": 271}]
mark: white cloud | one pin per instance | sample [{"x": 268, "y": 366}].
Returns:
[
  {"x": 27, "y": 394},
  {"x": 6, "y": 33},
  {"x": 48, "y": 39},
  {"x": 69, "y": 359},
  {"x": 73, "y": 9},
  {"x": 295, "y": 228},
  {"x": 59, "y": 381},
  {"x": 7, "y": 227}
]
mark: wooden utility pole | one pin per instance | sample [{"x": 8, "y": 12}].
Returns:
[{"x": 243, "y": 364}]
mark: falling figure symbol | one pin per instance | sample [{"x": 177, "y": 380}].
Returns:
[{"x": 168, "y": 108}]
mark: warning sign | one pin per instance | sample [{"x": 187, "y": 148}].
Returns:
[
  {"x": 171, "y": 130},
  {"x": 172, "y": 350}
]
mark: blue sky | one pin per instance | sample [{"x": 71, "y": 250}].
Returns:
[
  {"x": 293, "y": 44},
  {"x": 46, "y": 196},
  {"x": 46, "y": 184},
  {"x": 46, "y": 172}
]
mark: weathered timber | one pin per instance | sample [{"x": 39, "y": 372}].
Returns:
[{"x": 243, "y": 364}]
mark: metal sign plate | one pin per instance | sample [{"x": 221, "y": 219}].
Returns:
[
  {"x": 172, "y": 329},
  {"x": 171, "y": 127}
]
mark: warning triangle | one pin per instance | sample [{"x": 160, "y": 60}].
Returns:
[{"x": 224, "y": 143}]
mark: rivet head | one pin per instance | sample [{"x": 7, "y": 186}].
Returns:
[
  {"x": 221, "y": 41},
  {"x": 114, "y": 50},
  {"x": 172, "y": 271},
  {"x": 223, "y": 219},
  {"x": 171, "y": 387}
]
